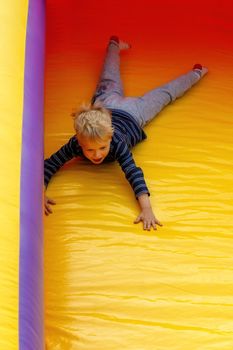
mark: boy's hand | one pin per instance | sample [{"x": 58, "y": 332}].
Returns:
[
  {"x": 148, "y": 219},
  {"x": 47, "y": 202},
  {"x": 146, "y": 215}
]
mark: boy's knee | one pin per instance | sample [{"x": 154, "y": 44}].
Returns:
[{"x": 168, "y": 95}]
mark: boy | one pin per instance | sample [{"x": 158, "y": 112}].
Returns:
[{"x": 112, "y": 125}]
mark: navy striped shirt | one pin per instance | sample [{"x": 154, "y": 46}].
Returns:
[{"x": 127, "y": 133}]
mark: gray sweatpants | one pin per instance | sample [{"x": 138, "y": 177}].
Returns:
[{"x": 109, "y": 91}]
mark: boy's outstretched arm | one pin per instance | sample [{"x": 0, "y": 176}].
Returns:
[
  {"x": 136, "y": 179},
  {"x": 146, "y": 216},
  {"x": 53, "y": 164}
]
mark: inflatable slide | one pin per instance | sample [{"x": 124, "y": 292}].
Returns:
[{"x": 87, "y": 277}]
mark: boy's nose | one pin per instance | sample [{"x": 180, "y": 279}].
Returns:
[{"x": 98, "y": 154}]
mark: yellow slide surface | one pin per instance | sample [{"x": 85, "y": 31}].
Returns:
[{"x": 109, "y": 285}]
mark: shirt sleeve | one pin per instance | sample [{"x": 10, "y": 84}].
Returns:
[
  {"x": 133, "y": 173},
  {"x": 59, "y": 158}
]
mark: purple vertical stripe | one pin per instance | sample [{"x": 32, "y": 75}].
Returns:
[{"x": 31, "y": 303}]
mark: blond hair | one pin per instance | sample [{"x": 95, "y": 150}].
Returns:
[{"x": 93, "y": 121}]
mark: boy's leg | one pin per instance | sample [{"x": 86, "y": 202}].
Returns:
[
  {"x": 146, "y": 107},
  {"x": 154, "y": 101},
  {"x": 110, "y": 80}
]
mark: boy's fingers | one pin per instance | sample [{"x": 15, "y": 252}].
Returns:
[
  {"x": 51, "y": 201},
  {"x": 137, "y": 220},
  {"x": 154, "y": 225},
  {"x": 48, "y": 202},
  {"x": 49, "y": 210},
  {"x": 159, "y": 223},
  {"x": 146, "y": 225}
]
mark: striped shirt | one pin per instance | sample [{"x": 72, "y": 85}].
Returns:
[{"x": 127, "y": 133}]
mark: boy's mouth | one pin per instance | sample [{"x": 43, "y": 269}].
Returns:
[{"x": 97, "y": 160}]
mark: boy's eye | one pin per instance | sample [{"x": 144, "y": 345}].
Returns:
[{"x": 102, "y": 147}]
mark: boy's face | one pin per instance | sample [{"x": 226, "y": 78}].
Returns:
[{"x": 95, "y": 150}]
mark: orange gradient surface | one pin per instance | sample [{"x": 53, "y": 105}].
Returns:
[{"x": 109, "y": 284}]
